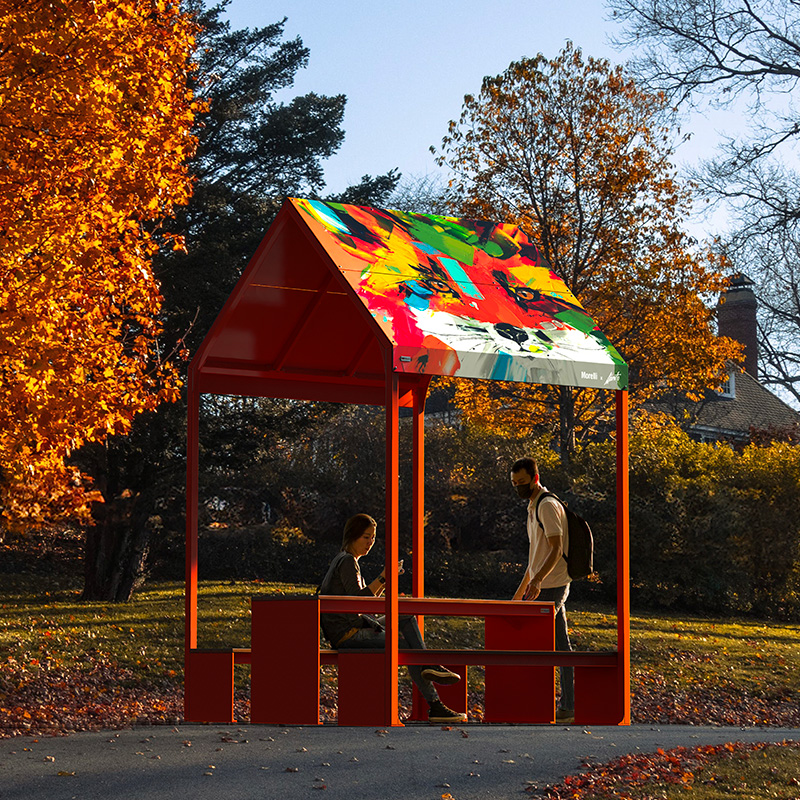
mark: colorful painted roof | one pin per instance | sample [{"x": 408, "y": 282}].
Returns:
[{"x": 464, "y": 297}]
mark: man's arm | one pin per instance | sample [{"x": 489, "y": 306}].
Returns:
[{"x": 534, "y": 586}]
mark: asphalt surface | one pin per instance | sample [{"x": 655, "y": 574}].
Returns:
[{"x": 284, "y": 763}]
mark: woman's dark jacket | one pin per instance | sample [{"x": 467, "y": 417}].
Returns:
[{"x": 343, "y": 578}]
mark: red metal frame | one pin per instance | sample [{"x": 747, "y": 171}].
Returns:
[
  {"x": 418, "y": 497},
  {"x": 308, "y": 313},
  {"x": 453, "y": 697},
  {"x": 327, "y": 346},
  {"x": 623, "y": 676},
  {"x": 192, "y": 499},
  {"x": 392, "y": 544}
]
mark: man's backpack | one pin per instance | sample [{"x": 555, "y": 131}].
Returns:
[{"x": 581, "y": 545}]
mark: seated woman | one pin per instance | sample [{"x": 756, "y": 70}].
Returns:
[{"x": 360, "y": 630}]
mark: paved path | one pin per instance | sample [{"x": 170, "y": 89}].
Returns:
[{"x": 283, "y": 763}]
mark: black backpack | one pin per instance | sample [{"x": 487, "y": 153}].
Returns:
[{"x": 581, "y": 545}]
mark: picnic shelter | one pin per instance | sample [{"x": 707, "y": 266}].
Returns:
[{"x": 361, "y": 305}]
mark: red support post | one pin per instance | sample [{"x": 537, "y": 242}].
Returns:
[
  {"x": 418, "y": 499},
  {"x": 392, "y": 541},
  {"x": 195, "y": 707},
  {"x": 192, "y": 477},
  {"x": 623, "y": 560},
  {"x": 418, "y": 711}
]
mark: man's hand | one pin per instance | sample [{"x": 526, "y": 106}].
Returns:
[
  {"x": 520, "y": 593},
  {"x": 532, "y": 592}
]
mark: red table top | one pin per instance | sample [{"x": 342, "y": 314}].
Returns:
[{"x": 436, "y": 606}]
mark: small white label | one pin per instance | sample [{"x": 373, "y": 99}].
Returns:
[{"x": 405, "y": 358}]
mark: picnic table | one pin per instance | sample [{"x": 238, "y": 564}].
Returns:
[{"x": 285, "y": 657}]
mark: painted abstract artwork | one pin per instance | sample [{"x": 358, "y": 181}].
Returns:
[{"x": 465, "y": 297}]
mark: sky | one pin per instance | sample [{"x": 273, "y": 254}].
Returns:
[{"x": 405, "y": 67}]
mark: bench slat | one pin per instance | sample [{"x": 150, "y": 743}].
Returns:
[
  {"x": 540, "y": 658},
  {"x": 546, "y": 658}
]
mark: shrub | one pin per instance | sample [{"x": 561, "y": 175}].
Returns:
[{"x": 712, "y": 529}]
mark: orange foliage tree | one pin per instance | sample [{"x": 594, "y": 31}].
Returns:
[
  {"x": 571, "y": 150},
  {"x": 95, "y": 116}
]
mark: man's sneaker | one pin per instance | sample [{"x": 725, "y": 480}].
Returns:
[
  {"x": 565, "y": 717},
  {"x": 440, "y": 675},
  {"x": 438, "y": 712}
]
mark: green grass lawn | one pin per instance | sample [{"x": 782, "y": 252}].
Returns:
[
  {"x": 45, "y": 626},
  {"x": 755, "y": 771},
  {"x": 71, "y": 665},
  {"x": 771, "y": 772}
]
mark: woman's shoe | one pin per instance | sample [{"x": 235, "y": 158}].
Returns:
[{"x": 440, "y": 675}]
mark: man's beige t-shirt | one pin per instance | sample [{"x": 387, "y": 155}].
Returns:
[{"x": 554, "y": 520}]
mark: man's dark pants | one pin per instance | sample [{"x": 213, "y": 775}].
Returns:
[{"x": 558, "y": 596}]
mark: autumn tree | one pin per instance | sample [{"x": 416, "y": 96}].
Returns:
[
  {"x": 714, "y": 55},
  {"x": 571, "y": 150},
  {"x": 253, "y": 150},
  {"x": 96, "y": 118}
]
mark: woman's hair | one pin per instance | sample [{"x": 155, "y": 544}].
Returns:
[{"x": 355, "y": 528}]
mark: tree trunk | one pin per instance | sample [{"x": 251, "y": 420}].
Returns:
[
  {"x": 116, "y": 550},
  {"x": 566, "y": 428}
]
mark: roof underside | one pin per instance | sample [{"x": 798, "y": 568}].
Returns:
[{"x": 335, "y": 293}]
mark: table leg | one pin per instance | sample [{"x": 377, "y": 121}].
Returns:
[{"x": 520, "y": 694}]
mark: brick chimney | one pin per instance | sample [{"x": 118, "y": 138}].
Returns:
[{"x": 736, "y": 319}]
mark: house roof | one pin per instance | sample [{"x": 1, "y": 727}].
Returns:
[
  {"x": 337, "y": 293},
  {"x": 752, "y": 406}
]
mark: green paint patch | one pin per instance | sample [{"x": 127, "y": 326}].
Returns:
[
  {"x": 578, "y": 320},
  {"x": 448, "y": 245}
]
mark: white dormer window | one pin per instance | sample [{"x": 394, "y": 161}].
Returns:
[{"x": 728, "y": 389}]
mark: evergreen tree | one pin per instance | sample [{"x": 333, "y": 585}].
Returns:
[{"x": 253, "y": 151}]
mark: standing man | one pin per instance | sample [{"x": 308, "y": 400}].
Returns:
[{"x": 546, "y": 577}]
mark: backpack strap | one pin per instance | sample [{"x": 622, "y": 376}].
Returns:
[
  {"x": 539, "y": 522},
  {"x": 539, "y": 500}
]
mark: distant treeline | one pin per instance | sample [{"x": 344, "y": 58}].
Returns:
[{"x": 711, "y": 528}]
